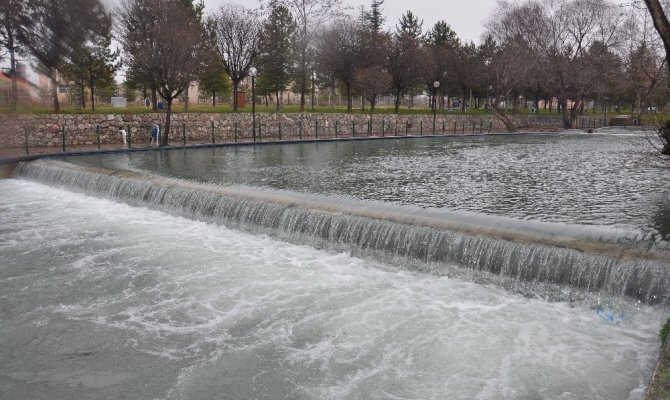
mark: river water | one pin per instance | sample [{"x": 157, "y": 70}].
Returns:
[{"x": 103, "y": 299}]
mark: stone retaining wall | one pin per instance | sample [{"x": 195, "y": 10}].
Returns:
[{"x": 82, "y": 129}]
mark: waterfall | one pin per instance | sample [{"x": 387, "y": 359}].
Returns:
[{"x": 589, "y": 258}]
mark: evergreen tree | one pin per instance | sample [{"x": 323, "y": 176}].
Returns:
[
  {"x": 276, "y": 49},
  {"x": 213, "y": 81},
  {"x": 60, "y": 31},
  {"x": 409, "y": 26},
  {"x": 94, "y": 65},
  {"x": 443, "y": 35},
  {"x": 373, "y": 20},
  {"x": 12, "y": 22}
]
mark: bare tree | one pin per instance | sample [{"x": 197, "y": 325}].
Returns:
[
  {"x": 237, "y": 32},
  {"x": 508, "y": 67},
  {"x": 562, "y": 33},
  {"x": 163, "y": 43},
  {"x": 310, "y": 16},
  {"x": 372, "y": 82},
  {"x": 341, "y": 52},
  {"x": 662, "y": 26}
]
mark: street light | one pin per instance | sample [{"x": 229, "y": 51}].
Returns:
[
  {"x": 436, "y": 85},
  {"x": 313, "y": 77},
  {"x": 489, "y": 94},
  {"x": 253, "y": 72}
]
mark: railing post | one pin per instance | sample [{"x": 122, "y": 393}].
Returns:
[
  {"x": 383, "y": 126},
  {"x": 463, "y": 127},
  {"x": 235, "y": 131},
  {"x": 279, "y": 130},
  {"x": 300, "y": 129},
  {"x": 183, "y": 126},
  {"x": 481, "y": 127},
  {"x": 474, "y": 126},
  {"x": 316, "y": 127},
  {"x": 213, "y": 138},
  {"x": 129, "y": 137},
  {"x": 454, "y": 127},
  {"x": 260, "y": 134},
  {"x": 369, "y": 128},
  {"x": 62, "y": 135},
  {"x": 97, "y": 134},
  {"x": 421, "y": 127},
  {"x": 444, "y": 132},
  {"x": 490, "y": 126},
  {"x": 336, "y": 122},
  {"x": 353, "y": 128},
  {"x": 396, "y": 127}
]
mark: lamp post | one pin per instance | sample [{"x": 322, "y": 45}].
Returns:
[
  {"x": 489, "y": 94},
  {"x": 313, "y": 77},
  {"x": 436, "y": 85},
  {"x": 253, "y": 72}
]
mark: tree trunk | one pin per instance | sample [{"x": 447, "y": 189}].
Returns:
[
  {"x": 303, "y": 79},
  {"x": 350, "y": 104},
  {"x": 82, "y": 86},
  {"x": 574, "y": 111},
  {"x": 509, "y": 126},
  {"x": 186, "y": 99},
  {"x": 213, "y": 98},
  {"x": 54, "y": 90},
  {"x": 90, "y": 77},
  {"x": 12, "y": 68},
  {"x": 465, "y": 92},
  {"x": 563, "y": 104},
  {"x": 235, "y": 84},
  {"x": 661, "y": 24},
  {"x": 168, "y": 114},
  {"x": 277, "y": 98},
  {"x": 397, "y": 103},
  {"x": 664, "y": 134},
  {"x": 154, "y": 99}
]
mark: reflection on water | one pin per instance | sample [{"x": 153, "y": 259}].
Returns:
[
  {"x": 661, "y": 220},
  {"x": 600, "y": 179}
]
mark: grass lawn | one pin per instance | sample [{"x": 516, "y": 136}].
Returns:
[{"x": 262, "y": 108}]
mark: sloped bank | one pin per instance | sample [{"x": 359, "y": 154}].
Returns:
[{"x": 659, "y": 388}]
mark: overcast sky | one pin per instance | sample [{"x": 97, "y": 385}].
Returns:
[{"x": 466, "y": 17}]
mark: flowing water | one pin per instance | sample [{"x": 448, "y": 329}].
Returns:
[{"x": 146, "y": 291}]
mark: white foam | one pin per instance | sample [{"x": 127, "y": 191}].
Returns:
[{"x": 194, "y": 302}]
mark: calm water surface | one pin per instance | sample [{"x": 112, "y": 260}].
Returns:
[{"x": 594, "y": 179}]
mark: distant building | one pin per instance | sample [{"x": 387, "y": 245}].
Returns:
[{"x": 27, "y": 93}]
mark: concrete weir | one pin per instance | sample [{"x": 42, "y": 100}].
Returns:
[{"x": 588, "y": 258}]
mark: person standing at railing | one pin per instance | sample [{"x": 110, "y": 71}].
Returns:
[
  {"x": 155, "y": 134},
  {"x": 124, "y": 136}
]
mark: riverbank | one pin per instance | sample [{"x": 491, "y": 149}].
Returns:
[
  {"x": 35, "y": 132},
  {"x": 659, "y": 388}
]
